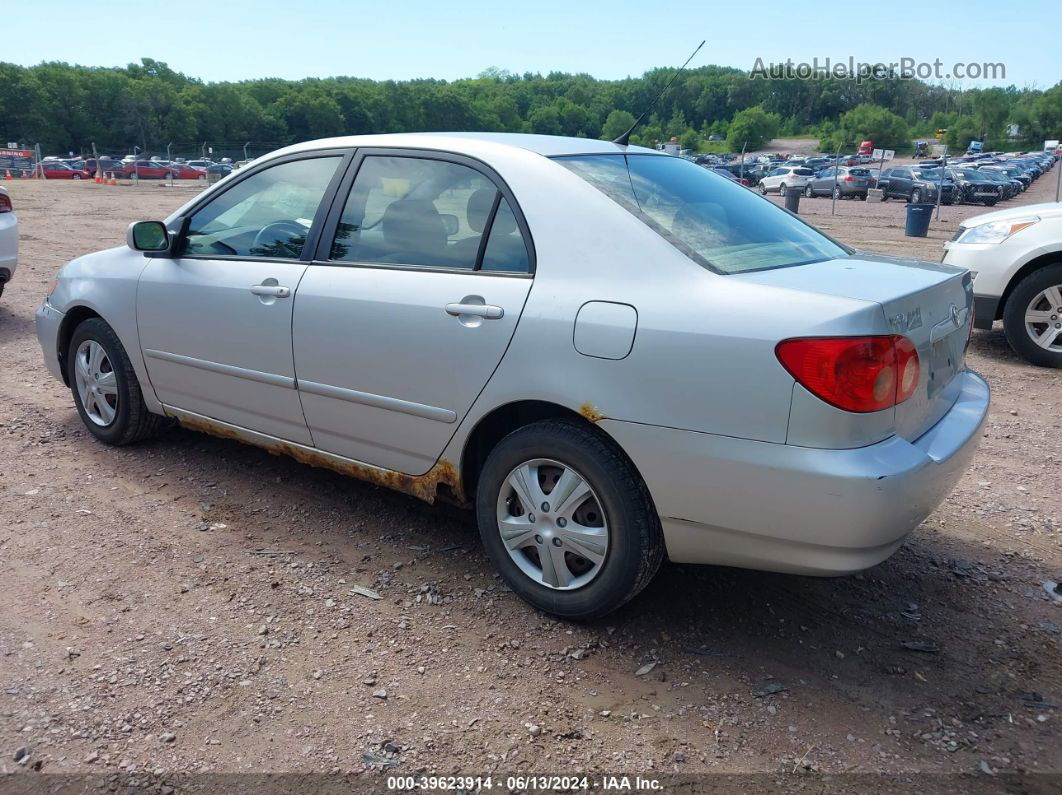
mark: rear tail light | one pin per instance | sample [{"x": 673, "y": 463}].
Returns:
[
  {"x": 858, "y": 374},
  {"x": 5, "y": 203},
  {"x": 849, "y": 179}
]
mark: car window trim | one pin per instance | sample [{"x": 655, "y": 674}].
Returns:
[
  {"x": 339, "y": 201},
  {"x": 346, "y": 155}
]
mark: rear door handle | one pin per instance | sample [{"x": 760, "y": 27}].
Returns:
[
  {"x": 488, "y": 311},
  {"x": 271, "y": 290}
]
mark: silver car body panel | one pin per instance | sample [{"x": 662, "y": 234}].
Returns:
[
  {"x": 213, "y": 347},
  {"x": 8, "y": 244},
  {"x": 375, "y": 377}
]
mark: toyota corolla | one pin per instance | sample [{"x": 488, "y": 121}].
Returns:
[{"x": 608, "y": 353}]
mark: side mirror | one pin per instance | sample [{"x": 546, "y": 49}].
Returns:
[
  {"x": 450, "y": 223},
  {"x": 148, "y": 236}
]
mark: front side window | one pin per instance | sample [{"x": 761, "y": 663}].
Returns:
[
  {"x": 717, "y": 223},
  {"x": 428, "y": 213},
  {"x": 267, "y": 215}
]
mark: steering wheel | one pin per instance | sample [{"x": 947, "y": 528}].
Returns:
[{"x": 278, "y": 232}]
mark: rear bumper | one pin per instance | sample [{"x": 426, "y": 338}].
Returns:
[
  {"x": 737, "y": 502},
  {"x": 49, "y": 319}
]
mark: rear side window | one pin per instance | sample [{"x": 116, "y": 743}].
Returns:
[
  {"x": 803, "y": 172},
  {"x": 714, "y": 221},
  {"x": 428, "y": 213}
]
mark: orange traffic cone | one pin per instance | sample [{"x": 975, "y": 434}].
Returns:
[
  {"x": 99, "y": 179},
  {"x": 8, "y": 174},
  {"x": 114, "y": 179}
]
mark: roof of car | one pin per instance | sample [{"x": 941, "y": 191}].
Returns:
[{"x": 546, "y": 145}]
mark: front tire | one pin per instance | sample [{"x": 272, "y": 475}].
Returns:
[
  {"x": 105, "y": 387},
  {"x": 587, "y": 555},
  {"x": 1032, "y": 318},
  {"x": 782, "y": 189},
  {"x": 809, "y": 193},
  {"x": 916, "y": 196}
]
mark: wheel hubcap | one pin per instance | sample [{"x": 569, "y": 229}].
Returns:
[
  {"x": 564, "y": 546},
  {"x": 1043, "y": 319},
  {"x": 96, "y": 383}
]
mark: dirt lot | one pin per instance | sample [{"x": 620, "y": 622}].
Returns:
[{"x": 186, "y": 606}]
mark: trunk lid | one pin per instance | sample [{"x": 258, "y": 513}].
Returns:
[{"x": 929, "y": 303}]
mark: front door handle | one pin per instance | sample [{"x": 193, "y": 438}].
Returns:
[
  {"x": 271, "y": 290},
  {"x": 488, "y": 311}
]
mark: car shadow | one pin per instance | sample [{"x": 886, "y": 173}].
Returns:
[
  {"x": 935, "y": 627},
  {"x": 992, "y": 344}
]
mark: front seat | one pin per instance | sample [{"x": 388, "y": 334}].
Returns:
[
  {"x": 414, "y": 233},
  {"x": 466, "y": 250}
]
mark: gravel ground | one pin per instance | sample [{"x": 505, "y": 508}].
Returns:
[{"x": 189, "y": 605}]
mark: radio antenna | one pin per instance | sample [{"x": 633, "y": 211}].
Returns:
[{"x": 624, "y": 139}]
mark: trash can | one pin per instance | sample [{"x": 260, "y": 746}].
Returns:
[
  {"x": 792, "y": 200},
  {"x": 918, "y": 217}
]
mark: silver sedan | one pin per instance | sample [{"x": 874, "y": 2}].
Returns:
[{"x": 610, "y": 354}]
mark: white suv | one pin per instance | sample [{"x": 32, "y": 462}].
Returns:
[
  {"x": 784, "y": 178},
  {"x": 1016, "y": 259}
]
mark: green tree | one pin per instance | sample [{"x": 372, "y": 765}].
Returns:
[
  {"x": 752, "y": 128},
  {"x": 867, "y": 122},
  {"x": 617, "y": 123}
]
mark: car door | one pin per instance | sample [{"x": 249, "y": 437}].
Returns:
[
  {"x": 900, "y": 182},
  {"x": 215, "y": 318},
  {"x": 409, "y": 306}
]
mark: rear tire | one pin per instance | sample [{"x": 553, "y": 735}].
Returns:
[
  {"x": 116, "y": 413},
  {"x": 620, "y": 509},
  {"x": 1029, "y": 296},
  {"x": 837, "y": 193},
  {"x": 763, "y": 189}
]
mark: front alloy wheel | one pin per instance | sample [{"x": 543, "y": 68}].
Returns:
[
  {"x": 1032, "y": 317},
  {"x": 808, "y": 192},
  {"x": 96, "y": 383},
  {"x": 782, "y": 189}
]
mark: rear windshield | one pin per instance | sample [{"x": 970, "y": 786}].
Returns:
[
  {"x": 859, "y": 172},
  {"x": 714, "y": 221}
]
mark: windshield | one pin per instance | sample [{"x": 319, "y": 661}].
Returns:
[
  {"x": 932, "y": 174},
  {"x": 964, "y": 173},
  {"x": 714, "y": 221}
]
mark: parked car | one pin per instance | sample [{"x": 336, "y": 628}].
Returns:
[
  {"x": 1009, "y": 187},
  {"x": 8, "y": 240},
  {"x": 783, "y": 178},
  {"x": 145, "y": 169},
  {"x": 817, "y": 163},
  {"x": 1015, "y": 256},
  {"x": 1012, "y": 172},
  {"x": 235, "y": 316},
  {"x": 974, "y": 187},
  {"x": 104, "y": 165},
  {"x": 185, "y": 171},
  {"x": 724, "y": 173},
  {"x": 915, "y": 185},
  {"x": 844, "y": 181},
  {"x": 55, "y": 169}
]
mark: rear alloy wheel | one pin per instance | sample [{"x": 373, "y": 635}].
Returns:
[
  {"x": 567, "y": 520},
  {"x": 76, "y": 176},
  {"x": 1032, "y": 318},
  {"x": 106, "y": 391},
  {"x": 782, "y": 189},
  {"x": 837, "y": 193},
  {"x": 763, "y": 189}
]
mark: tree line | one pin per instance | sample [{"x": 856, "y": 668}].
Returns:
[{"x": 66, "y": 107}]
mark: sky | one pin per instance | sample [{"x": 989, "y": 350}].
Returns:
[{"x": 238, "y": 40}]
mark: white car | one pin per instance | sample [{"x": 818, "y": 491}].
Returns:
[
  {"x": 8, "y": 240},
  {"x": 784, "y": 178},
  {"x": 1015, "y": 257}
]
